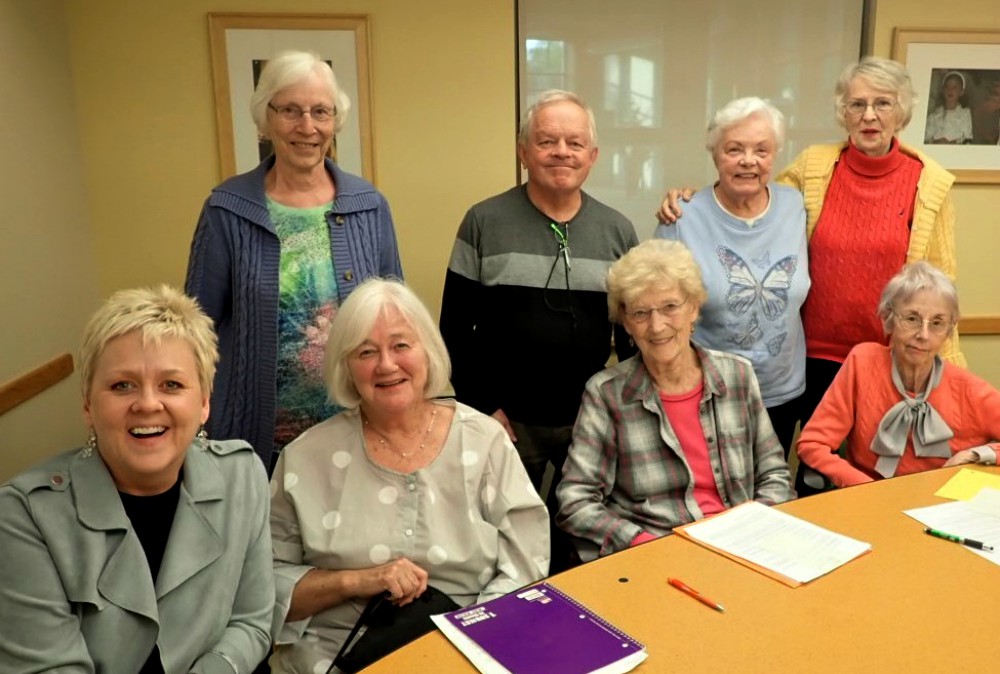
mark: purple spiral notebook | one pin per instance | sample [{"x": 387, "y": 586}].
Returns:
[{"x": 539, "y": 630}]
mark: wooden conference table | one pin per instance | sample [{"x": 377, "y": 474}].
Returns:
[{"x": 914, "y": 604}]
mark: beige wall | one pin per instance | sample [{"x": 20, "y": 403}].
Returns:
[
  {"x": 135, "y": 78},
  {"x": 976, "y": 206},
  {"x": 47, "y": 267},
  {"x": 443, "y": 74}
]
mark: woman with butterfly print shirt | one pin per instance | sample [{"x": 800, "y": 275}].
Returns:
[
  {"x": 748, "y": 235},
  {"x": 873, "y": 204}
]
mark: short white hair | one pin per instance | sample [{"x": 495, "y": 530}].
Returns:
[
  {"x": 353, "y": 324},
  {"x": 912, "y": 279},
  {"x": 551, "y": 97},
  {"x": 739, "y": 110},
  {"x": 287, "y": 70}
]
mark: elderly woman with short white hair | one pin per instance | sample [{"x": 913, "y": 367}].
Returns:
[
  {"x": 399, "y": 492},
  {"x": 277, "y": 249},
  {"x": 676, "y": 433},
  {"x": 901, "y": 408},
  {"x": 873, "y": 204},
  {"x": 748, "y": 235}
]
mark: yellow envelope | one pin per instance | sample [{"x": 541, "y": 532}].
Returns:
[{"x": 966, "y": 483}]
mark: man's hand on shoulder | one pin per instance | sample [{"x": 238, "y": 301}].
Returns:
[{"x": 670, "y": 209}]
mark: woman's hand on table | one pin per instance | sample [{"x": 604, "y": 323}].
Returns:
[{"x": 962, "y": 457}]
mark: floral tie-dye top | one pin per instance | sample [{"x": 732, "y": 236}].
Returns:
[{"x": 307, "y": 302}]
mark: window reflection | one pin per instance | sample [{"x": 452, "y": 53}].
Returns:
[{"x": 655, "y": 70}]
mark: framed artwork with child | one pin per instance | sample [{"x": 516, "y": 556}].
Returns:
[{"x": 956, "y": 74}]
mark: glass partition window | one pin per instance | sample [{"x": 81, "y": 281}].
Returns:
[{"x": 654, "y": 71}]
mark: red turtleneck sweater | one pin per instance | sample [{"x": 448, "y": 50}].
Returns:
[{"x": 859, "y": 243}]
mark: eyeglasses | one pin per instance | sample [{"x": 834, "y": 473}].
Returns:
[
  {"x": 562, "y": 241},
  {"x": 913, "y": 323},
  {"x": 668, "y": 310},
  {"x": 293, "y": 113},
  {"x": 857, "y": 107}
]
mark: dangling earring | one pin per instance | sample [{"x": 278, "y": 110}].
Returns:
[
  {"x": 202, "y": 438},
  {"x": 631, "y": 342},
  {"x": 90, "y": 446}
]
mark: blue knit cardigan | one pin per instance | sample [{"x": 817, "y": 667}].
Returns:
[{"x": 233, "y": 273}]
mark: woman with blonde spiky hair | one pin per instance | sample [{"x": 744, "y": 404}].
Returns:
[{"x": 148, "y": 549}]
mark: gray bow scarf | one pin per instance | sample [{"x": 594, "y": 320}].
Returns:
[{"x": 911, "y": 415}]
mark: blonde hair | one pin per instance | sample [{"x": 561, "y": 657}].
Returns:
[
  {"x": 883, "y": 74},
  {"x": 157, "y": 312},
  {"x": 653, "y": 265}
]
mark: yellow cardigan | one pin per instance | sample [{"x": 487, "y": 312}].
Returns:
[{"x": 932, "y": 234}]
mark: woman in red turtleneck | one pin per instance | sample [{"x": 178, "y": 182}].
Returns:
[{"x": 873, "y": 205}]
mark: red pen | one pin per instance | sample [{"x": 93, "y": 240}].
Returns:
[{"x": 691, "y": 592}]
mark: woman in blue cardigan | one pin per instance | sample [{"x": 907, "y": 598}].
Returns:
[{"x": 275, "y": 252}]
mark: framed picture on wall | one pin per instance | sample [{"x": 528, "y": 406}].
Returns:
[
  {"x": 240, "y": 46},
  {"x": 957, "y": 117}
]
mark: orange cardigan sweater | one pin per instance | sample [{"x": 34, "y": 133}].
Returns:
[{"x": 863, "y": 392}]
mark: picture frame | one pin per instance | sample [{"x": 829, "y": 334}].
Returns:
[
  {"x": 241, "y": 42},
  {"x": 960, "y": 131}
]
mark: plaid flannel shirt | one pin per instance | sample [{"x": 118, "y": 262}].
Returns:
[{"x": 626, "y": 472}]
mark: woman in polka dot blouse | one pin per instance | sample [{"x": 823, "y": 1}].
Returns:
[{"x": 399, "y": 492}]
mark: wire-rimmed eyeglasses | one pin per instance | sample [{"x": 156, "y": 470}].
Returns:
[
  {"x": 913, "y": 323},
  {"x": 293, "y": 113},
  {"x": 856, "y": 107},
  {"x": 668, "y": 310}
]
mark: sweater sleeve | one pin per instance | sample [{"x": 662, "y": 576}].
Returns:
[
  {"x": 772, "y": 479},
  {"x": 209, "y": 268},
  {"x": 983, "y": 404},
  {"x": 389, "y": 264},
  {"x": 793, "y": 175},
  {"x": 830, "y": 424},
  {"x": 463, "y": 299},
  {"x": 941, "y": 254}
]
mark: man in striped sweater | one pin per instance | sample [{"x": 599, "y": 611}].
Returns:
[{"x": 524, "y": 312}]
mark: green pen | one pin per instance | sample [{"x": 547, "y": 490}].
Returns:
[{"x": 958, "y": 539}]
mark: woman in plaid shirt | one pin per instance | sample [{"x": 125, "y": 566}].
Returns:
[{"x": 677, "y": 432}]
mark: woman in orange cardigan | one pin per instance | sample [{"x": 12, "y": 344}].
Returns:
[{"x": 902, "y": 408}]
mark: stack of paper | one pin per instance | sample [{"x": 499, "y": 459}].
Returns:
[
  {"x": 977, "y": 518},
  {"x": 775, "y": 543}
]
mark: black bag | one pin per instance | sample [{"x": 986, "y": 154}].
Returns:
[{"x": 390, "y": 627}]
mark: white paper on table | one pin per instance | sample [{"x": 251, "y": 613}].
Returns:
[
  {"x": 778, "y": 541},
  {"x": 977, "y": 518}
]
